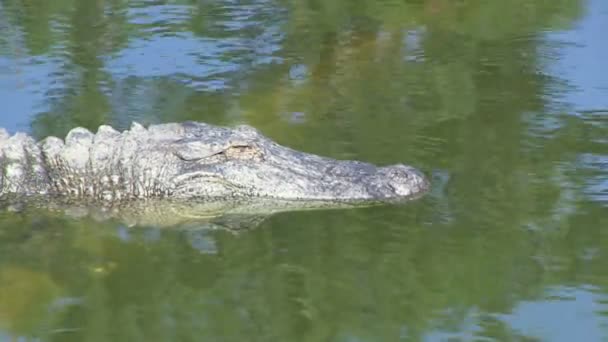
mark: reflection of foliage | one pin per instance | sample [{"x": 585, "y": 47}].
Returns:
[
  {"x": 25, "y": 297},
  {"x": 360, "y": 40},
  {"x": 373, "y": 274},
  {"x": 441, "y": 84}
]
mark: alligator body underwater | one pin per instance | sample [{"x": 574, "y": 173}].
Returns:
[{"x": 189, "y": 162}]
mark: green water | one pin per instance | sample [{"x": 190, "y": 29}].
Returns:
[{"x": 504, "y": 104}]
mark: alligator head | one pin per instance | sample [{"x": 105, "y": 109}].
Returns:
[{"x": 241, "y": 163}]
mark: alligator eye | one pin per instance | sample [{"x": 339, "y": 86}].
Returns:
[{"x": 242, "y": 152}]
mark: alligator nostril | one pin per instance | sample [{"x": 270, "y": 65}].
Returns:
[{"x": 403, "y": 181}]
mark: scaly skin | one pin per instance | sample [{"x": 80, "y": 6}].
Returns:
[{"x": 190, "y": 161}]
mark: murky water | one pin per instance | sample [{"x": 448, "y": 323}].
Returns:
[{"x": 503, "y": 104}]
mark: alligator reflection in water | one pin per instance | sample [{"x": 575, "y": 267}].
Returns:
[{"x": 209, "y": 214}]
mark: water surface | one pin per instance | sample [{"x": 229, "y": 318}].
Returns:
[{"x": 503, "y": 104}]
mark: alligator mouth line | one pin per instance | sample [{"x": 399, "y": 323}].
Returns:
[{"x": 181, "y": 182}]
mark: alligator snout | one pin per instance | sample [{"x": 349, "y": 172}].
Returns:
[{"x": 397, "y": 182}]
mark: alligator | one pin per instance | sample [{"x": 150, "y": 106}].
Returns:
[{"x": 192, "y": 162}]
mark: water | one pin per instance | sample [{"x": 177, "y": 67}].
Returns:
[{"x": 504, "y": 105}]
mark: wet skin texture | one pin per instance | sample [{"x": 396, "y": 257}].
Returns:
[{"x": 191, "y": 161}]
